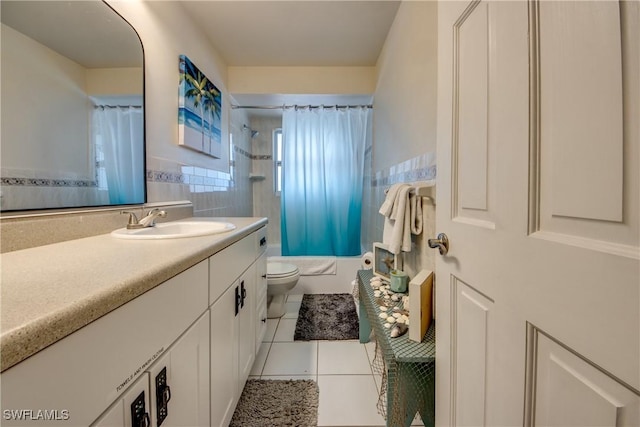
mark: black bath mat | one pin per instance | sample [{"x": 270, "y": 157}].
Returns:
[{"x": 327, "y": 317}]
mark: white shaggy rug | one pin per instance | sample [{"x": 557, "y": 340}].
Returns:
[{"x": 274, "y": 403}]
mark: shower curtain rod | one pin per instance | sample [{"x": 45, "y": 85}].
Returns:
[{"x": 282, "y": 107}]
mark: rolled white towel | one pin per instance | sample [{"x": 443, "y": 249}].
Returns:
[{"x": 416, "y": 214}]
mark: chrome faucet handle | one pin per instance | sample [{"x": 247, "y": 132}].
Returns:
[
  {"x": 133, "y": 219},
  {"x": 157, "y": 212},
  {"x": 150, "y": 219}
]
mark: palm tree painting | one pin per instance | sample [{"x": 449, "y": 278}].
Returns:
[{"x": 199, "y": 111}]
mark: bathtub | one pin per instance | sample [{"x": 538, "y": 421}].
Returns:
[{"x": 340, "y": 282}]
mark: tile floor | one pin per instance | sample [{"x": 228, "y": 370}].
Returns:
[{"x": 342, "y": 369}]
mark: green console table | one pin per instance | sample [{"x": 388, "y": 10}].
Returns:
[{"x": 409, "y": 365}]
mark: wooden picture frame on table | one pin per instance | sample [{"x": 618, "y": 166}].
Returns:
[{"x": 384, "y": 261}]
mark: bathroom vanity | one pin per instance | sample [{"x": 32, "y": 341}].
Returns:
[{"x": 112, "y": 332}]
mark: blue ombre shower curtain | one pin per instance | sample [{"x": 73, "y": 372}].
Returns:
[{"x": 322, "y": 179}]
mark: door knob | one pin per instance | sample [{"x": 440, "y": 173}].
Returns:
[{"x": 442, "y": 243}]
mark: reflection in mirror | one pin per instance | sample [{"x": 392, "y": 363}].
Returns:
[{"x": 72, "y": 106}]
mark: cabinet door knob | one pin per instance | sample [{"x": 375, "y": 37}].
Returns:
[
  {"x": 243, "y": 293},
  {"x": 237, "y": 300}
]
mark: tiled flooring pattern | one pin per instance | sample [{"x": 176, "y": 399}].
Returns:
[{"x": 342, "y": 369}]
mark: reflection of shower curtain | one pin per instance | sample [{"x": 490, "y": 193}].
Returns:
[
  {"x": 323, "y": 166},
  {"x": 119, "y": 131}
]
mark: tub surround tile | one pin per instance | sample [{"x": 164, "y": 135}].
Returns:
[{"x": 42, "y": 303}]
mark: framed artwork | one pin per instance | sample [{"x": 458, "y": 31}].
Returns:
[
  {"x": 385, "y": 261},
  {"x": 199, "y": 111}
]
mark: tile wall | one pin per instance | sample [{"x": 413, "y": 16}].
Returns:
[
  {"x": 265, "y": 202},
  {"x": 420, "y": 168},
  {"x": 213, "y": 193}
]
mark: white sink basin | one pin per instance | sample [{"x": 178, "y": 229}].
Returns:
[{"x": 174, "y": 230}]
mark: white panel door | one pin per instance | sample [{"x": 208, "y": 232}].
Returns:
[{"x": 539, "y": 185}]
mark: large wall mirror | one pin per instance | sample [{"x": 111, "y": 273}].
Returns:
[{"x": 72, "y": 107}]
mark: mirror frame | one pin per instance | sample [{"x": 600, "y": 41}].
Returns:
[{"x": 16, "y": 213}]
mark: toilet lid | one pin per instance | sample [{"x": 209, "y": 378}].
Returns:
[{"x": 279, "y": 269}]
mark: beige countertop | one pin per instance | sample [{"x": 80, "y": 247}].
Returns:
[{"x": 51, "y": 291}]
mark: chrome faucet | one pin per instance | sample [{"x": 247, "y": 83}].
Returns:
[{"x": 148, "y": 221}]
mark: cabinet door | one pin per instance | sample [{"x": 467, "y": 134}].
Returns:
[
  {"x": 179, "y": 380},
  {"x": 224, "y": 357},
  {"x": 247, "y": 331},
  {"x": 132, "y": 405},
  {"x": 261, "y": 300}
]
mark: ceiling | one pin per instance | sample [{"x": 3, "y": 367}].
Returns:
[
  {"x": 84, "y": 31},
  {"x": 295, "y": 32},
  {"x": 245, "y": 33}
]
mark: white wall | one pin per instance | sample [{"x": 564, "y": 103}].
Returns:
[
  {"x": 404, "y": 122},
  {"x": 52, "y": 94},
  {"x": 114, "y": 81},
  {"x": 302, "y": 80}
]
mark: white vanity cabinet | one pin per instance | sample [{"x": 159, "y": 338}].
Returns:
[
  {"x": 233, "y": 281},
  {"x": 84, "y": 373},
  {"x": 179, "y": 352},
  {"x": 133, "y": 405}
]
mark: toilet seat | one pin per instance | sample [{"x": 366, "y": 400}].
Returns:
[{"x": 278, "y": 270}]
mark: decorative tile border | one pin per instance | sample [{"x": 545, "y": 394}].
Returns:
[
  {"x": 421, "y": 168},
  {"x": 423, "y": 174},
  {"x": 46, "y": 182},
  {"x": 252, "y": 156},
  {"x": 241, "y": 151},
  {"x": 163, "y": 176},
  {"x": 199, "y": 180}
]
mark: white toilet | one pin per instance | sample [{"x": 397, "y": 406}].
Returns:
[{"x": 281, "y": 278}]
